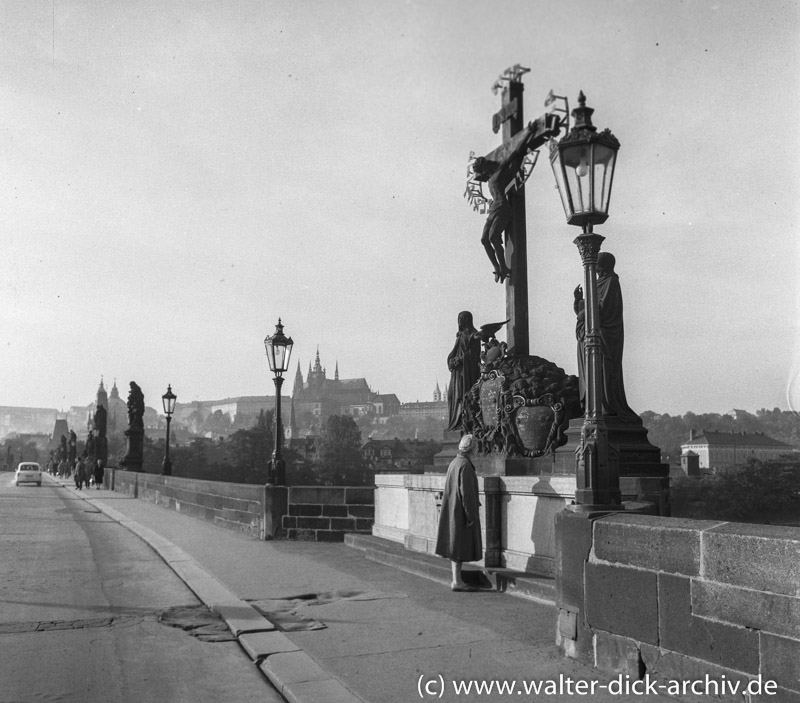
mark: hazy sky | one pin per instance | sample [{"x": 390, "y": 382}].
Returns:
[{"x": 177, "y": 175}]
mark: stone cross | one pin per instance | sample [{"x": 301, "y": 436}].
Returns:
[{"x": 510, "y": 120}]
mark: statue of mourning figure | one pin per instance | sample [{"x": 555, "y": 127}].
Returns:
[{"x": 612, "y": 339}]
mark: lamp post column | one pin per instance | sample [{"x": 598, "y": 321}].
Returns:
[
  {"x": 278, "y": 465},
  {"x": 597, "y": 468},
  {"x": 166, "y": 465}
]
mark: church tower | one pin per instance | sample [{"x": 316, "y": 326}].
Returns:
[
  {"x": 336, "y": 374},
  {"x": 298, "y": 383},
  {"x": 102, "y": 396},
  {"x": 116, "y": 414},
  {"x": 290, "y": 432},
  {"x": 316, "y": 377},
  {"x": 101, "y": 400}
]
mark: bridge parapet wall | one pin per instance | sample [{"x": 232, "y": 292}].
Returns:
[
  {"x": 235, "y": 506},
  {"x": 327, "y": 513},
  {"x": 315, "y": 513},
  {"x": 681, "y": 599}
]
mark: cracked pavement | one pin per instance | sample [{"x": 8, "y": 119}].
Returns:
[{"x": 89, "y": 613}]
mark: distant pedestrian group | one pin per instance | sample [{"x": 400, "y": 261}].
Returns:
[
  {"x": 82, "y": 471},
  {"x": 86, "y": 474}
]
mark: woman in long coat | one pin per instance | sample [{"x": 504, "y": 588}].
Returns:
[
  {"x": 459, "y": 535},
  {"x": 99, "y": 470}
]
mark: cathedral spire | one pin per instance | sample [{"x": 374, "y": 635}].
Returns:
[
  {"x": 336, "y": 373},
  {"x": 291, "y": 431},
  {"x": 316, "y": 377},
  {"x": 102, "y": 396},
  {"x": 298, "y": 382}
]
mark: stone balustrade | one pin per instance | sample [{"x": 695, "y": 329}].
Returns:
[
  {"x": 327, "y": 513},
  {"x": 316, "y": 513},
  {"x": 681, "y": 599}
]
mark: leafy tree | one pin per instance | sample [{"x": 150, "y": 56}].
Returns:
[
  {"x": 763, "y": 491},
  {"x": 21, "y": 451},
  {"x": 299, "y": 471},
  {"x": 339, "y": 460},
  {"x": 218, "y": 423},
  {"x": 250, "y": 451},
  {"x": 306, "y": 420},
  {"x": 152, "y": 455}
]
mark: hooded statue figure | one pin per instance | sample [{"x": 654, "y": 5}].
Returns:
[
  {"x": 464, "y": 363},
  {"x": 612, "y": 340}
]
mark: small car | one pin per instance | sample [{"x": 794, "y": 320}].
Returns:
[{"x": 28, "y": 472}]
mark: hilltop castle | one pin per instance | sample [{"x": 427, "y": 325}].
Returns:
[{"x": 321, "y": 396}]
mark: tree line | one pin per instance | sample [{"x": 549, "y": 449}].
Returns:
[
  {"x": 244, "y": 455},
  {"x": 670, "y": 432}
]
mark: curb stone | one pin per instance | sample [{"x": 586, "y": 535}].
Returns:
[{"x": 293, "y": 673}]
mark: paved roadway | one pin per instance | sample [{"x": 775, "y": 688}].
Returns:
[
  {"x": 381, "y": 632},
  {"x": 80, "y": 598}
]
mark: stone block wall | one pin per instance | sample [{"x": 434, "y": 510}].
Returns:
[
  {"x": 682, "y": 599},
  {"x": 235, "y": 506},
  {"x": 517, "y": 516},
  {"x": 327, "y": 513},
  {"x": 391, "y": 507},
  {"x": 316, "y": 513}
]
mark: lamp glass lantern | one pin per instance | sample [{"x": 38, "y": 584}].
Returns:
[
  {"x": 279, "y": 350},
  {"x": 583, "y": 164},
  {"x": 168, "y": 399}
]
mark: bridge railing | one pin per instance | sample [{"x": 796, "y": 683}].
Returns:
[{"x": 311, "y": 513}]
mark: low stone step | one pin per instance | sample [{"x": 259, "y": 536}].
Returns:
[{"x": 516, "y": 583}]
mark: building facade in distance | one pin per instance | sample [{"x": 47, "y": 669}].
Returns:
[
  {"x": 16, "y": 421},
  {"x": 405, "y": 455},
  {"x": 437, "y": 408},
  {"x": 725, "y": 451}
]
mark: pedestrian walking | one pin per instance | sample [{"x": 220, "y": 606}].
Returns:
[
  {"x": 459, "y": 535},
  {"x": 98, "y": 474},
  {"x": 80, "y": 473}
]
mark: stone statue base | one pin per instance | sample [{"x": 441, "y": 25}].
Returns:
[
  {"x": 134, "y": 456},
  {"x": 102, "y": 449},
  {"x": 642, "y": 475},
  {"x": 497, "y": 464}
]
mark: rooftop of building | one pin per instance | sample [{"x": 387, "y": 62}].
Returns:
[{"x": 735, "y": 439}]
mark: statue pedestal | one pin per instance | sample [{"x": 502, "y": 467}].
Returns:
[
  {"x": 499, "y": 465},
  {"x": 642, "y": 475},
  {"x": 134, "y": 456}
]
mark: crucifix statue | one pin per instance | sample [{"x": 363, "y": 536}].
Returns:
[{"x": 505, "y": 170}]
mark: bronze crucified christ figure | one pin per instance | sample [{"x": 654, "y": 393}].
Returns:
[{"x": 499, "y": 175}]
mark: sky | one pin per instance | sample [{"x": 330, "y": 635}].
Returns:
[{"x": 178, "y": 175}]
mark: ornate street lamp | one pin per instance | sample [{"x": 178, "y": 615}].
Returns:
[
  {"x": 168, "y": 399},
  {"x": 279, "y": 349},
  {"x": 583, "y": 163}
]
